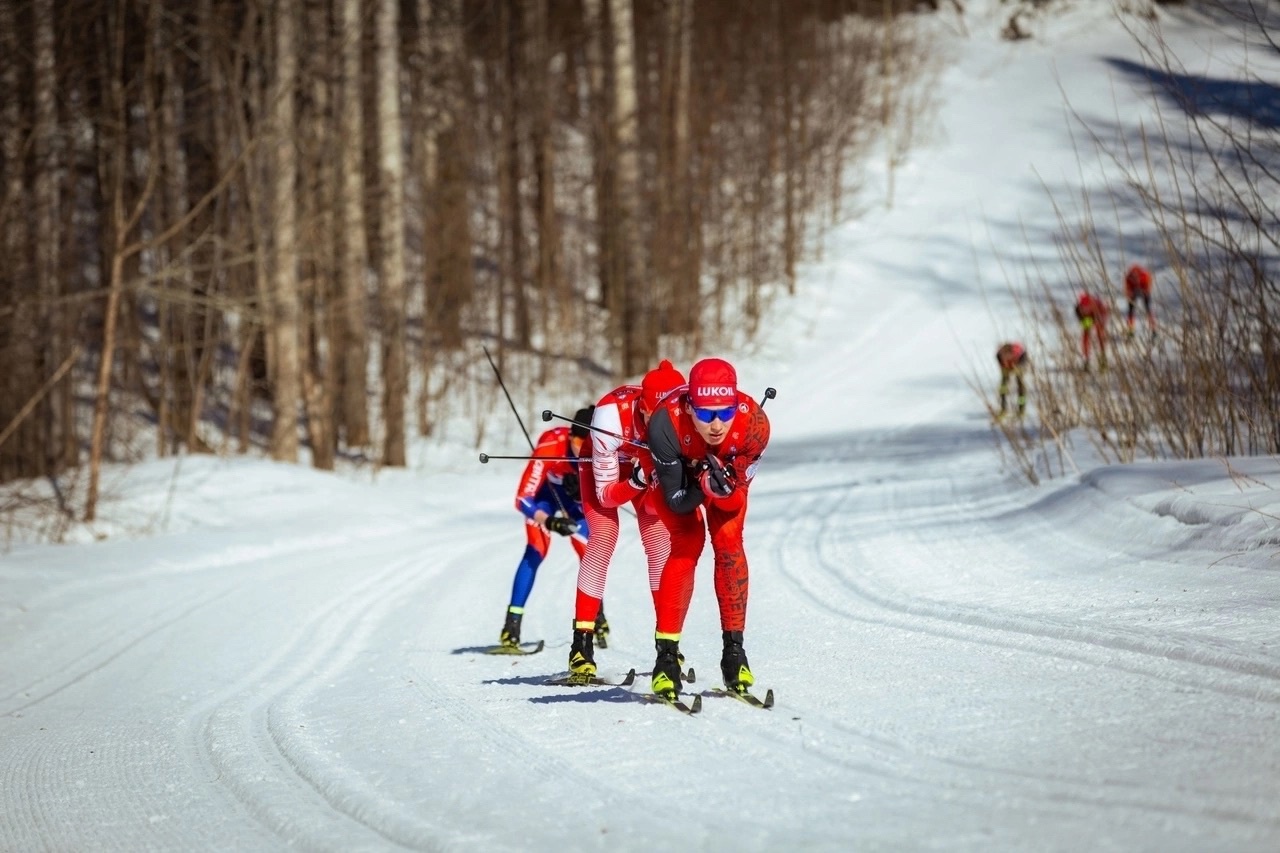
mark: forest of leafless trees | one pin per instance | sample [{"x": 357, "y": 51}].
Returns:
[{"x": 291, "y": 224}]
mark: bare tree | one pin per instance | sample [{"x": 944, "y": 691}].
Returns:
[
  {"x": 121, "y": 221},
  {"x": 637, "y": 334},
  {"x": 352, "y": 245},
  {"x": 285, "y": 322},
  {"x": 391, "y": 275}
]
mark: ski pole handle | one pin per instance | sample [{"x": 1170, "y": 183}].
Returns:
[{"x": 769, "y": 394}]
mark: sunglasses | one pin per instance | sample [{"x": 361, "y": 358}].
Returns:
[{"x": 709, "y": 415}]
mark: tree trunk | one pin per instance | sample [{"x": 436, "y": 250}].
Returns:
[
  {"x": 23, "y": 453},
  {"x": 511, "y": 174},
  {"x": 638, "y": 339},
  {"x": 607, "y": 222},
  {"x": 549, "y": 282},
  {"x": 57, "y": 415},
  {"x": 285, "y": 324},
  {"x": 391, "y": 175},
  {"x": 115, "y": 115},
  {"x": 353, "y": 409}
]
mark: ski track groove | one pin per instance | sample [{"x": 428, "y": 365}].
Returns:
[
  {"x": 245, "y": 745},
  {"x": 89, "y": 663},
  {"x": 77, "y": 668},
  {"x": 812, "y": 519},
  {"x": 819, "y": 516}
]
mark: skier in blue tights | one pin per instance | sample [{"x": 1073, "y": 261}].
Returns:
[{"x": 550, "y": 499}]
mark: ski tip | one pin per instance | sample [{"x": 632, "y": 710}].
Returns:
[
  {"x": 631, "y": 677},
  {"x": 768, "y": 698},
  {"x": 539, "y": 647},
  {"x": 690, "y": 677},
  {"x": 696, "y": 705}
]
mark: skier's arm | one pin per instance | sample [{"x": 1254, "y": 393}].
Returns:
[
  {"x": 743, "y": 465},
  {"x": 528, "y": 502},
  {"x": 612, "y": 489},
  {"x": 679, "y": 491}
]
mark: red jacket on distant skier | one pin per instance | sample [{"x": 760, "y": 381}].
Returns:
[
  {"x": 1092, "y": 313},
  {"x": 1137, "y": 288}
]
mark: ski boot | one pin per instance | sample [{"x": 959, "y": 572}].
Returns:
[
  {"x": 666, "y": 669},
  {"x": 582, "y": 659},
  {"x": 602, "y": 629},
  {"x": 733, "y": 663},
  {"x": 510, "y": 638}
]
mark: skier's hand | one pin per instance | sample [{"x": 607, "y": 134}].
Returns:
[
  {"x": 1086, "y": 323},
  {"x": 637, "y": 480},
  {"x": 572, "y": 485},
  {"x": 716, "y": 480},
  {"x": 563, "y": 526}
]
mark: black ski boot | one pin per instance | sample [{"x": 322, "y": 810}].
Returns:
[
  {"x": 511, "y": 630},
  {"x": 733, "y": 663},
  {"x": 602, "y": 629},
  {"x": 582, "y": 660},
  {"x": 666, "y": 669}
]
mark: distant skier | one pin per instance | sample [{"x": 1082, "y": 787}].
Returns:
[
  {"x": 1012, "y": 358},
  {"x": 1092, "y": 313},
  {"x": 619, "y": 472},
  {"x": 1137, "y": 287},
  {"x": 549, "y": 497},
  {"x": 706, "y": 445}
]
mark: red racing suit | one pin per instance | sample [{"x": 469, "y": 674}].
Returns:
[
  {"x": 605, "y": 487},
  {"x": 679, "y": 455},
  {"x": 542, "y": 488}
]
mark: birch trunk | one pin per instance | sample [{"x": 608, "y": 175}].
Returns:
[{"x": 391, "y": 174}]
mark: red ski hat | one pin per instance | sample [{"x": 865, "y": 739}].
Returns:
[
  {"x": 658, "y": 383},
  {"x": 713, "y": 384}
]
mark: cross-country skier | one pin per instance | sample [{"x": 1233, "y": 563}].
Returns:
[
  {"x": 1092, "y": 313},
  {"x": 1137, "y": 287},
  {"x": 619, "y": 472},
  {"x": 706, "y": 445},
  {"x": 1012, "y": 358},
  {"x": 549, "y": 497}
]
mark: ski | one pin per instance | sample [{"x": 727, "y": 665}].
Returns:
[
  {"x": 751, "y": 699},
  {"x": 675, "y": 702},
  {"x": 575, "y": 680},
  {"x": 686, "y": 677},
  {"x": 522, "y": 649}
]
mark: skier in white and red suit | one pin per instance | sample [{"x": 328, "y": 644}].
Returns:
[{"x": 619, "y": 473}]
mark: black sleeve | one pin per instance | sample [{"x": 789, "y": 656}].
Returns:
[{"x": 678, "y": 489}]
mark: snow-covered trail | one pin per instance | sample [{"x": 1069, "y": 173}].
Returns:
[
  {"x": 950, "y": 664},
  {"x": 290, "y": 660}
]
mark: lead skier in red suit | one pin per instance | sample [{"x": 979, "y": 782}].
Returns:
[
  {"x": 617, "y": 473},
  {"x": 706, "y": 445}
]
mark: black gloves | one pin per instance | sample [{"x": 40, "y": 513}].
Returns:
[
  {"x": 563, "y": 526},
  {"x": 637, "y": 480},
  {"x": 572, "y": 485},
  {"x": 717, "y": 481}
]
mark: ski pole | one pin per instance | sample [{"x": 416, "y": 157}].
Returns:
[
  {"x": 510, "y": 402},
  {"x": 485, "y": 457},
  {"x": 769, "y": 394},
  {"x": 547, "y": 415}
]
